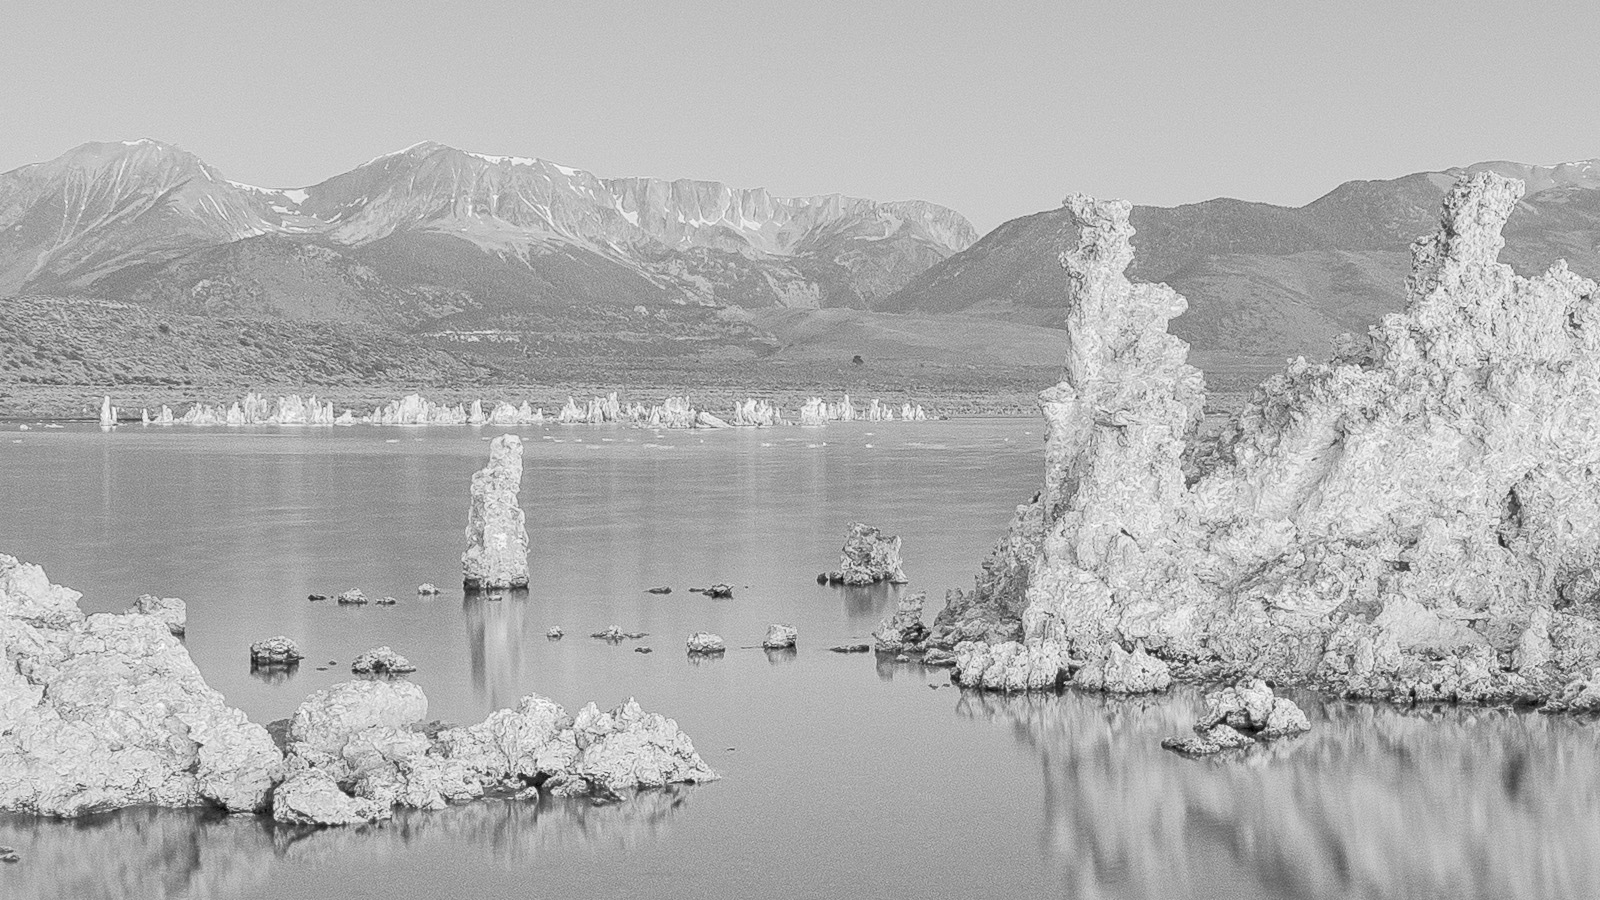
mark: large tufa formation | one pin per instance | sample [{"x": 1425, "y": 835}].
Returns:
[
  {"x": 497, "y": 539},
  {"x": 1102, "y": 529},
  {"x": 1419, "y": 518},
  {"x": 106, "y": 711}
]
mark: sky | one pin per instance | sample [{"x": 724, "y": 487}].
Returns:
[{"x": 995, "y": 109}]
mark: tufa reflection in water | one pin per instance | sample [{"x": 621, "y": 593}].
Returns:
[
  {"x": 1376, "y": 801},
  {"x": 171, "y": 853},
  {"x": 494, "y": 644}
]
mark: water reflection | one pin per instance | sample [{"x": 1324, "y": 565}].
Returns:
[
  {"x": 781, "y": 657},
  {"x": 864, "y": 605},
  {"x": 274, "y": 674},
  {"x": 494, "y": 644},
  {"x": 162, "y": 853},
  {"x": 1374, "y": 802}
]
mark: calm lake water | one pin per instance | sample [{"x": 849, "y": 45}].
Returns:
[{"x": 845, "y": 775}]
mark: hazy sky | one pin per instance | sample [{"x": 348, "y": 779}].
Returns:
[{"x": 996, "y": 109}]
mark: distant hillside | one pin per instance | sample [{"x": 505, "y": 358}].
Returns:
[
  {"x": 1266, "y": 282},
  {"x": 435, "y": 227}
]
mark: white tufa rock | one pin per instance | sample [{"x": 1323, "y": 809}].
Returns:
[
  {"x": 870, "y": 556},
  {"x": 108, "y": 711},
  {"x": 497, "y": 538},
  {"x": 1417, "y": 519},
  {"x": 705, "y": 642}
]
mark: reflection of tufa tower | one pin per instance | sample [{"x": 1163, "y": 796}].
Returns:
[{"x": 497, "y": 541}]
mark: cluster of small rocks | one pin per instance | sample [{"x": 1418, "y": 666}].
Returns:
[
  {"x": 613, "y": 634},
  {"x": 717, "y": 591},
  {"x": 357, "y": 751}
]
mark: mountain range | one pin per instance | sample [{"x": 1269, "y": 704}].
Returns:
[
  {"x": 432, "y": 233},
  {"x": 506, "y": 263},
  {"x": 1265, "y": 282}
]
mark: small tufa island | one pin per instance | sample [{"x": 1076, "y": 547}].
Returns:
[
  {"x": 497, "y": 536},
  {"x": 1418, "y": 519}
]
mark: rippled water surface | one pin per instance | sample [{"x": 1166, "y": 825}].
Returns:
[{"x": 845, "y": 775}]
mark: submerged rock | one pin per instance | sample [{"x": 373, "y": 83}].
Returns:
[
  {"x": 706, "y": 642},
  {"x": 108, "y": 711},
  {"x": 497, "y": 537},
  {"x": 275, "y": 651},
  {"x": 869, "y": 556},
  {"x": 381, "y": 661},
  {"x": 851, "y": 648},
  {"x": 614, "y": 634},
  {"x": 716, "y": 591},
  {"x": 169, "y": 610},
  {"x": 658, "y": 590},
  {"x": 779, "y": 637},
  {"x": 904, "y": 630}
]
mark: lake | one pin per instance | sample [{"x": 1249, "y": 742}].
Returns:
[{"x": 845, "y": 775}]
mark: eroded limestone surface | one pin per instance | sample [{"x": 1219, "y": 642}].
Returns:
[
  {"x": 1418, "y": 518},
  {"x": 497, "y": 537},
  {"x": 170, "y": 610}
]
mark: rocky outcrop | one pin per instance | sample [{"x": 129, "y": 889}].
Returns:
[
  {"x": 107, "y": 711},
  {"x": 992, "y": 611},
  {"x": 780, "y": 637},
  {"x": 870, "y": 556},
  {"x": 381, "y": 661},
  {"x": 1416, "y": 519},
  {"x": 275, "y": 651},
  {"x": 904, "y": 630},
  {"x": 170, "y": 610},
  {"x": 627, "y": 748},
  {"x": 312, "y": 797},
  {"x": 1238, "y": 716},
  {"x": 497, "y": 539},
  {"x": 325, "y": 721},
  {"x": 704, "y": 642}
]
